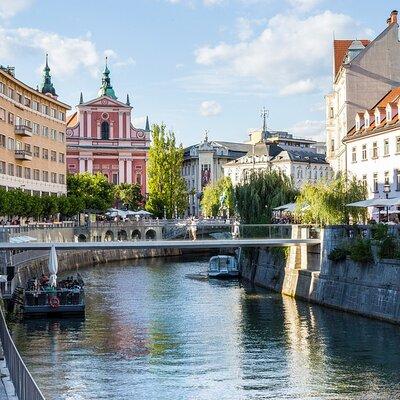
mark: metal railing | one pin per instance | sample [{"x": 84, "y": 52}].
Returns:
[{"x": 24, "y": 384}]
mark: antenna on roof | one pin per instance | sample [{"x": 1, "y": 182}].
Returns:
[{"x": 264, "y": 116}]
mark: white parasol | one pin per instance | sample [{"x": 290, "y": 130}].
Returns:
[{"x": 53, "y": 266}]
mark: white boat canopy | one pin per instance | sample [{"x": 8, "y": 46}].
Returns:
[{"x": 53, "y": 266}]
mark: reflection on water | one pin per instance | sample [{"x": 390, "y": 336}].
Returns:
[{"x": 152, "y": 333}]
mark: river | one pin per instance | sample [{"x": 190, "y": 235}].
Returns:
[{"x": 152, "y": 333}]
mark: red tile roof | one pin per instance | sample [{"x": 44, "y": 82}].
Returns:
[
  {"x": 340, "y": 48},
  {"x": 391, "y": 97}
]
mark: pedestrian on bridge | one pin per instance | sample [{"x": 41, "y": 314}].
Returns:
[
  {"x": 236, "y": 229},
  {"x": 193, "y": 228}
]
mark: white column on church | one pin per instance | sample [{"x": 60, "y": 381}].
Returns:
[
  {"x": 121, "y": 171},
  {"x": 128, "y": 126},
  {"x": 81, "y": 124},
  {"x": 89, "y": 124},
  {"x": 81, "y": 165},
  {"x": 129, "y": 171},
  {"x": 120, "y": 127},
  {"x": 90, "y": 165}
]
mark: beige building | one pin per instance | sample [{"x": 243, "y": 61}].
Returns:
[
  {"x": 363, "y": 72},
  {"x": 32, "y": 135}
]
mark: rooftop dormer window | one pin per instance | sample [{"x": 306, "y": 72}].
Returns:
[
  {"x": 389, "y": 114},
  {"x": 367, "y": 121}
]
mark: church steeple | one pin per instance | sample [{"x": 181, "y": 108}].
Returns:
[
  {"x": 46, "y": 87},
  {"x": 128, "y": 103},
  {"x": 147, "y": 128},
  {"x": 81, "y": 99},
  {"x": 106, "y": 89}
]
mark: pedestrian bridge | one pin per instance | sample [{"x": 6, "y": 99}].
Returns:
[{"x": 161, "y": 244}]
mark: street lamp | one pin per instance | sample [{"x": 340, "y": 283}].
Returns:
[
  {"x": 386, "y": 190},
  {"x": 165, "y": 212}
]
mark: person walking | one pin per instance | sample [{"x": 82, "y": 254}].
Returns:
[{"x": 236, "y": 229}]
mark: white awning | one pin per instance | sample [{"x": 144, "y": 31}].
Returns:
[
  {"x": 370, "y": 203},
  {"x": 286, "y": 207}
]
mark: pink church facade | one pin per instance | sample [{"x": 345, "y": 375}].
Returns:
[{"x": 101, "y": 138}]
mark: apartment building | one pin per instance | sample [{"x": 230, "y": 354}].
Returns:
[{"x": 32, "y": 135}]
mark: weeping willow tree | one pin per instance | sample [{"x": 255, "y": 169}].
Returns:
[
  {"x": 325, "y": 202},
  {"x": 258, "y": 195}
]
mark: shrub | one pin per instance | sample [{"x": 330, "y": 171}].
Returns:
[
  {"x": 361, "y": 251},
  {"x": 338, "y": 254},
  {"x": 379, "y": 231},
  {"x": 388, "y": 248}
]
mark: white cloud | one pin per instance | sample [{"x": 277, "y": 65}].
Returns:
[
  {"x": 244, "y": 28},
  {"x": 67, "y": 54},
  {"x": 8, "y": 8},
  {"x": 309, "y": 129},
  {"x": 210, "y": 108},
  {"x": 289, "y": 50},
  {"x": 125, "y": 63},
  {"x": 303, "y": 5}
]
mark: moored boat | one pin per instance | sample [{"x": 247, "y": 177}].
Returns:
[{"x": 223, "y": 267}]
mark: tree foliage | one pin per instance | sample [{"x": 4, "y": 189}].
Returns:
[
  {"x": 165, "y": 183},
  {"x": 129, "y": 195},
  {"x": 211, "y": 201},
  {"x": 256, "y": 197},
  {"x": 325, "y": 202},
  {"x": 94, "y": 190}
]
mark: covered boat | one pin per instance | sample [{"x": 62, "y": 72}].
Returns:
[
  {"x": 223, "y": 267},
  {"x": 47, "y": 296}
]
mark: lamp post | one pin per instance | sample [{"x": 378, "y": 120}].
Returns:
[
  {"x": 386, "y": 190},
  {"x": 165, "y": 212}
]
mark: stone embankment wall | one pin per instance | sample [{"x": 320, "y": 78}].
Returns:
[
  {"x": 371, "y": 289},
  {"x": 73, "y": 260}
]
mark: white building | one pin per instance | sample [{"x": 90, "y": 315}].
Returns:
[
  {"x": 203, "y": 164},
  {"x": 373, "y": 146},
  {"x": 363, "y": 72},
  {"x": 296, "y": 158}
]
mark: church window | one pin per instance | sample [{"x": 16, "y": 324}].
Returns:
[{"x": 105, "y": 130}]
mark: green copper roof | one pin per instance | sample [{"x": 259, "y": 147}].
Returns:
[
  {"x": 46, "y": 87},
  {"x": 106, "y": 89}
]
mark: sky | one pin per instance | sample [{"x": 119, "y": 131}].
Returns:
[{"x": 194, "y": 65}]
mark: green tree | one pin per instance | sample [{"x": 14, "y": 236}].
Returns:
[
  {"x": 211, "y": 201},
  {"x": 129, "y": 195},
  {"x": 258, "y": 195},
  {"x": 94, "y": 190},
  {"x": 325, "y": 202},
  {"x": 166, "y": 186}
]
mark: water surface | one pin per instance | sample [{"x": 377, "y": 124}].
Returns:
[{"x": 152, "y": 333}]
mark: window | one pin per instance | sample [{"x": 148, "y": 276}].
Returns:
[
  {"x": 2, "y": 141},
  {"x": 2, "y": 114},
  {"x": 398, "y": 144},
  {"x": 53, "y": 177},
  {"x": 105, "y": 130},
  {"x": 2, "y": 88},
  {"x": 358, "y": 124},
  {"x": 364, "y": 152},
  {"x": 3, "y": 167},
  {"x": 18, "y": 145},
  {"x": 11, "y": 118},
  {"x": 35, "y": 128},
  {"x": 61, "y": 136},
  {"x": 10, "y": 144},
  {"x": 45, "y": 109},
  {"x": 377, "y": 119},
  {"x": 387, "y": 178},
  {"x": 398, "y": 180},
  {"x": 386, "y": 147},
  {"x": 61, "y": 116},
  {"x": 53, "y": 156},
  {"x": 364, "y": 180},
  {"x": 20, "y": 98},
  {"x": 375, "y": 183},
  {"x": 375, "y": 150},
  {"x": 28, "y": 123},
  {"x": 27, "y": 102},
  {"x": 11, "y": 169},
  {"x": 61, "y": 158},
  {"x": 27, "y": 147},
  {"x": 367, "y": 121},
  {"x": 61, "y": 179},
  {"x": 332, "y": 145},
  {"x": 19, "y": 171},
  {"x": 389, "y": 114},
  {"x": 19, "y": 120},
  {"x": 36, "y": 151},
  {"x": 139, "y": 178},
  {"x": 45, "y": 154},
  {"x": 53, "y": 112},
  {"x": 36, "y": 174},
  {"x": 331, "y": 115},
  {"x": 35, "y": 105},
  {"x": 10, "y": 93},
  {"x": 27, "y": 173},
  {"x": 53, "y": 134},
  {"x": 45, "y": 176},
  {"x": 354, "y": 154},
  {"x": 45, "y": 131}
]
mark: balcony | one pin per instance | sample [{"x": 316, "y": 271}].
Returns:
[
  {"x": 22, "y": 130},
  {"x": 23, "y": 155}
]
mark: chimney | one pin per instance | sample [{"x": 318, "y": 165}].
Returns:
[{"x": 392, "y": 18}]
